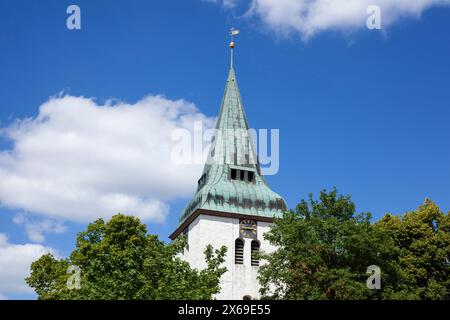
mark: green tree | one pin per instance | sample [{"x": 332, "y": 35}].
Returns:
[
  {"x": 422, "y": 239},
  {"x": 120, "y": 260},
  {"x": 323, "y": 251}
]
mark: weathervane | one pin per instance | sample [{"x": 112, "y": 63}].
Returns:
[{"x": 233, "y": 32}]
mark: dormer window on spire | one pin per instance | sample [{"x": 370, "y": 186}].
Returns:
[
  {"x": 242, "y": 175},
  {"x": 202, "y": 181}
]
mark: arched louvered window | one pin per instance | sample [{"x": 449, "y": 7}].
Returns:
[
  {"x": 239, "y": 251},
  {"x": 254, "y": 253}
]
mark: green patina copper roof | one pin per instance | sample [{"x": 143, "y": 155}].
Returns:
[{"x": 232, "y": 148}]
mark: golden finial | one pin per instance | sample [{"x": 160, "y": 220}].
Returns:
[{"x": 233, "y": 32}]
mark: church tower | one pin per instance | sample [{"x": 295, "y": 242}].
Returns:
[{"x": 233, "y": 205}]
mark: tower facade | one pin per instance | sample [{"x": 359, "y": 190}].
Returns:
[{"x": 233, "y": 205}]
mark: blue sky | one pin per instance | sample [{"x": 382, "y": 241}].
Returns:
[{"x": 364, "y": 110}]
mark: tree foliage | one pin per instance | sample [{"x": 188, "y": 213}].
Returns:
[
  {"x": 324, "y": 249},
  {"x": 422, "y": 238},
  {"x": 120, "y": 260}
]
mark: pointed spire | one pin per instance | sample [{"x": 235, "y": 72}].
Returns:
[{"x": 231, "y": 181}]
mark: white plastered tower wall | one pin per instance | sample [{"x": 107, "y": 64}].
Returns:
[{"x": 240, "y": 279}]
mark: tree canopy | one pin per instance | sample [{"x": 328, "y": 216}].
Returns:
[
  {"x": 422, "y": 240},
  {"x": 120, "y": 260},
  {"x": 324, "y": 249}
]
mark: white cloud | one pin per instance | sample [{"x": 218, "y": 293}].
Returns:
[
  {"x": 78, "y": 160},
  {"x": 36, "y": 229},
  {"x": 309, "y": 17},
  {"x": 225, "y": 3},
  {"x": 15, "y": 262}
]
